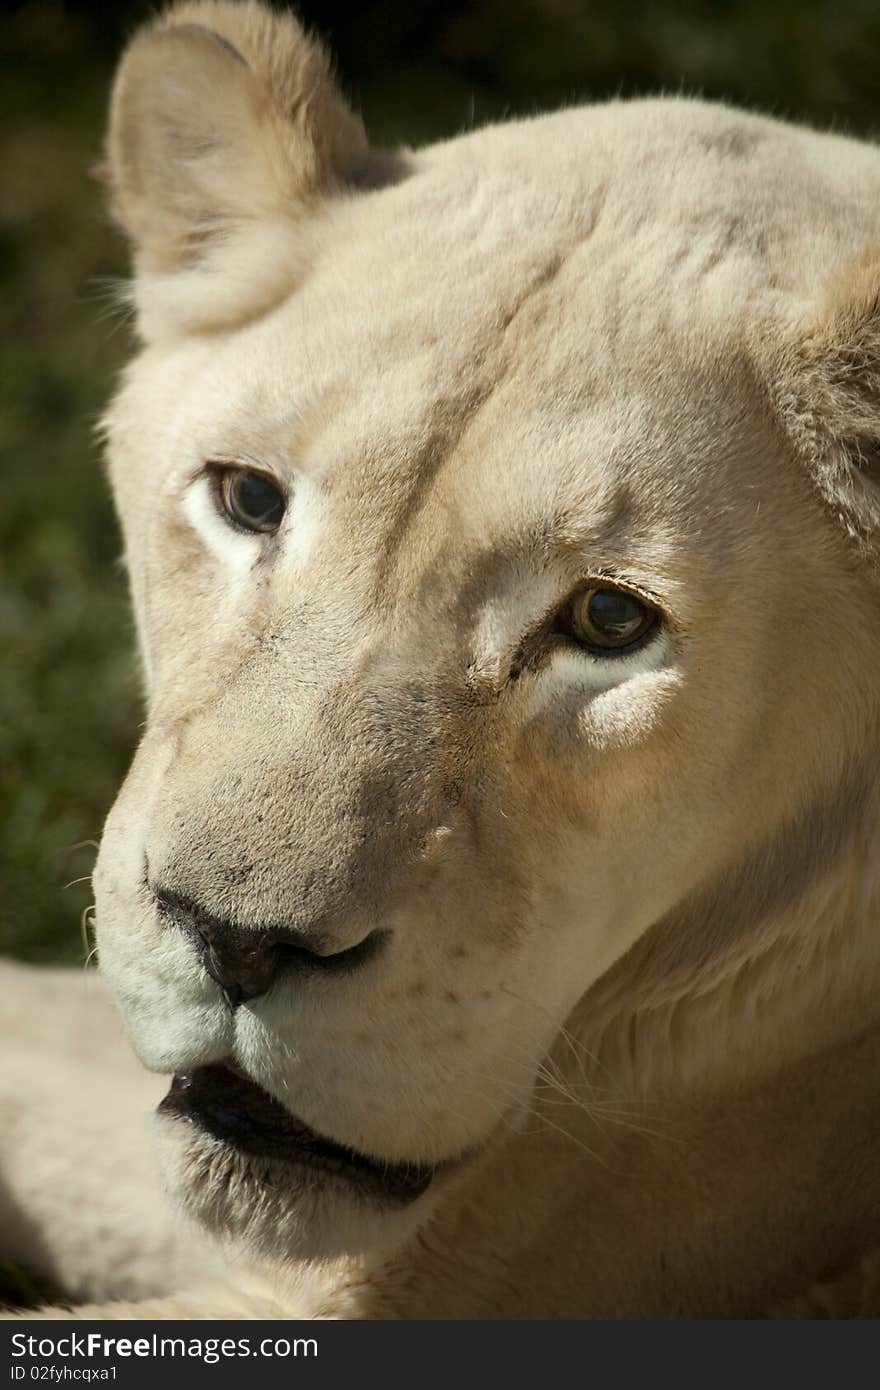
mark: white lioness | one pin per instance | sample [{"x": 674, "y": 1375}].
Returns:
[{"x": 498, "y": 872}]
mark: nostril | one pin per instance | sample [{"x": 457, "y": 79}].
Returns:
[
  {"x": 245, "y": 961},
  {"x": 311, "y": 957}
]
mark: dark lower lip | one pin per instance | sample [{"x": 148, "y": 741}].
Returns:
[{"x": 231, "y": 1108}]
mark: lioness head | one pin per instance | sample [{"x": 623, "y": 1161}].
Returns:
[{"x": 499, "y": 525}]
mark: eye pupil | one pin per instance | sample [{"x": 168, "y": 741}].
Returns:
[
  {"x": 611, "y": 619},
  {"x": 251, "y": 500},
  {"x": 614, "y": 613}
]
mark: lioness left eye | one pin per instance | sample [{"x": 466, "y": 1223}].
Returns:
[
  {"x": 606, "y": 619},
  {"x": 250, "y": 500}
]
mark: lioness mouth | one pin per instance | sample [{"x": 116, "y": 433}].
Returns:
[{"x": 230, "y": 1107}]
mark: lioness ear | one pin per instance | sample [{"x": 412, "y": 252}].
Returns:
[
  {"x": 832, "y": 394},
  {"x": 225, "y": 126}
]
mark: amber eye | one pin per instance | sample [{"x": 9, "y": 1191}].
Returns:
[
  {"x": 250, "y": 500},
  {"x": 610, "y": 619}
]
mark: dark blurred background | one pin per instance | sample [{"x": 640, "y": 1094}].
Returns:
[{"x": 69, "y": 701}]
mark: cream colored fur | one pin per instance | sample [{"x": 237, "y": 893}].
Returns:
[{"x": 628, "y": 1001}]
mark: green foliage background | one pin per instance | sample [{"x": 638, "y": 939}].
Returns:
[{"x": 69, "y": 701}]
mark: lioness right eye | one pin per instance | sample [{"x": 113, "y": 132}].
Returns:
[
  {"x": 250, "y": 500},
  {"x": 606, "y": 620}
]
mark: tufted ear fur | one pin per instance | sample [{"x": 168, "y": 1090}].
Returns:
[
  {"x": 225, "y": 128},
  {"x": 831, "y": 403}
]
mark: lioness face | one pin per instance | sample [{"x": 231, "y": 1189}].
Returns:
[{"x": 478, "y": 593}]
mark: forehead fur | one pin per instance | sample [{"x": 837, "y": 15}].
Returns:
[
  {"x": 667, "y": 196},
  {"x": 525, "y": 304}
]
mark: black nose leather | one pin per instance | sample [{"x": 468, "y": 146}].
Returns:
[{"x": 245, "y": 961}]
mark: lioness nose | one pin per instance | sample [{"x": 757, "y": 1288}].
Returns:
[{"x": 245, "y": 961}]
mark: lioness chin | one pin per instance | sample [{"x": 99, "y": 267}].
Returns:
[{"x": 497, "y": 874}]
